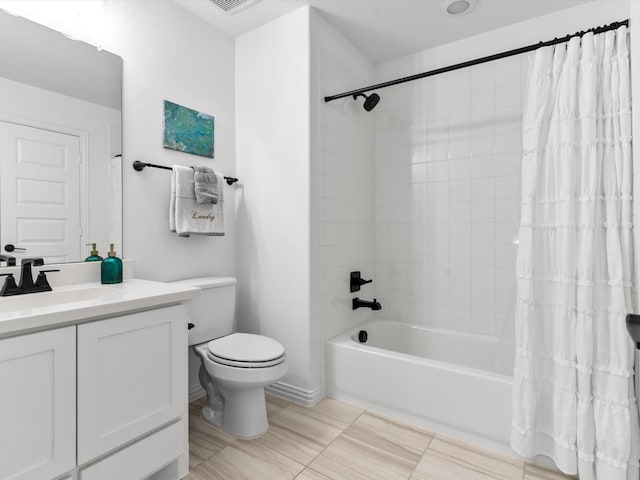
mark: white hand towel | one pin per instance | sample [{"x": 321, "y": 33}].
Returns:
[
  {"x": 172, "y": 200},
  {"x": 190, "y": 217}
]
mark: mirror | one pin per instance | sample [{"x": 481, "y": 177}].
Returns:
[{"x": 60, "y": 144}]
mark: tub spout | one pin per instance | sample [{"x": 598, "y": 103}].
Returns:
[{"x": 357, "y": 303}]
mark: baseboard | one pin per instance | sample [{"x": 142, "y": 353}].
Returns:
[
  {"x": 308, "y": 398},
  {"x": 196, "y": 392}
]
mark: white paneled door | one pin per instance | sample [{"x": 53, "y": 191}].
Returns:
[
  {"x": 38, "y": 405},
  {"x": 40, "y": 190}
]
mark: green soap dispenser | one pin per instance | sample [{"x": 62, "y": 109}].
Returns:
[
  {"x": 94, "y": 257},
  {"x": 111, "y": 268}
]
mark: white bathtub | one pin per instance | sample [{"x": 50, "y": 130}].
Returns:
[{"x": 439, "y": 379}]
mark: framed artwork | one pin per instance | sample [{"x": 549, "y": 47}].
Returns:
[{"x": 187, "y": 130}]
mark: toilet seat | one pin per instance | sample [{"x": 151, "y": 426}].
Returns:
[
  {"x": 237, "y": 364},
  {"x": 245, "y": 350}
]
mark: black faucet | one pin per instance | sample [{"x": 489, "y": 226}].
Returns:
[
  {"x": 26, "y": 277},
  {"x": 27, "y": 284},
  {"x": 357, "y": 303}
]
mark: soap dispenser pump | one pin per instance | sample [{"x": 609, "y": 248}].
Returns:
[
  {"x": 94, "y": 257},
  {"x": 111, "y": 268}
]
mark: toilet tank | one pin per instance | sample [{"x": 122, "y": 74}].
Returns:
[{"x": 213, "y": 311}]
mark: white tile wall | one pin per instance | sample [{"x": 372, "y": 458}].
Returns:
[
  {"x": 345, "y": 193},
  {"x": 447, "y": 196}
]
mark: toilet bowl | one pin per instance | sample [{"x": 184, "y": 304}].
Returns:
[
  {"x": 235, "y": 367},
  {"x": 234, "y": 379}
]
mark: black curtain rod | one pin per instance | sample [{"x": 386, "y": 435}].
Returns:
[
  {"x": 478, "y": 61},
  {"x": 138, "y": 166}
]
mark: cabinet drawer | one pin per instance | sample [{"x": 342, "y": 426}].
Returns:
[
  {"x": 140, "y": 459},
  {"x": 131, "y": 377}
]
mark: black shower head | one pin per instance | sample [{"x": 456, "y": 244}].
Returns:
[{"x": 370, "y": 101}]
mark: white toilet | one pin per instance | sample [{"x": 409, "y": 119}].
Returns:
[{"x": 235, "y": 367}]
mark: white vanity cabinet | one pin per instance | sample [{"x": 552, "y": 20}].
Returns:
[
  {"x": 38, "y": 405},
  {"x": 131, "y": 377},
  {"x": 99, "y": 391}
]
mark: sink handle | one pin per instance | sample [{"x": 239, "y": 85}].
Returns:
[
  {"x": 9, "y": 285},
  {"x": 42, "y": 282}
]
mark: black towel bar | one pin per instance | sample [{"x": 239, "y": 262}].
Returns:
[{"x": 138, "y": 166}]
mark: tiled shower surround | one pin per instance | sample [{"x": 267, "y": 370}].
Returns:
[{"x": 447, "y": 196}]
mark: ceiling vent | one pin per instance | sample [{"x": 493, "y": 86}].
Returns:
[{"x": 233, "y": 6}]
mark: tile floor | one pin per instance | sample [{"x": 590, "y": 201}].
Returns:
[{"x": 337, "y": 441}]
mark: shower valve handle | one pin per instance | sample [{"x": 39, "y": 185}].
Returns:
[{"x": 356, "y": 281}]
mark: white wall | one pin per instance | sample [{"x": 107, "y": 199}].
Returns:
[
  {"x": 273, "y": 148},
  {"x": 447, "y": 156},
  {"x": 342, "y": 183},
  {"x": 305, "y": 219},
  {"x": 171, "y": 54}
]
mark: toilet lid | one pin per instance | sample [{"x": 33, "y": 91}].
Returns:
[{"x": 246, "y": 350}]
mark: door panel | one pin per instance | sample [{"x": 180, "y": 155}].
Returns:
[{"x": 40, "y": 191}]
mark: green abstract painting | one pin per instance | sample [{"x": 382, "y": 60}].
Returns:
[{"x": 187, "y": 130}]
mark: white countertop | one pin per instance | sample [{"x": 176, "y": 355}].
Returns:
[{"x": 80, "y": 303}]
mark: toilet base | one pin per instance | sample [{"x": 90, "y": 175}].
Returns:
[
  {"x": 241, "y": 412},
  {"x": 245, "y": 412},
  {"x": 235, "y": 396}
]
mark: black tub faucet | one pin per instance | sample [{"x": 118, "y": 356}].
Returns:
[{"x": 357, "y": 303}]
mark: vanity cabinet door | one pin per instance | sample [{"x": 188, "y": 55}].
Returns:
[
  {"x": 132, "y": 373},
  {"x": 38, "y": 405}
]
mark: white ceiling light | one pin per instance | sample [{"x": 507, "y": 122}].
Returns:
[{"x": 457, "y": 7}]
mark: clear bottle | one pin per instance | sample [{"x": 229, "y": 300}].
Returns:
[
  {"x": 111, "y": 268},
  {"x": 94, "y": 257}
]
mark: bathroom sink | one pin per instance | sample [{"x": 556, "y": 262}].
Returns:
[{"x": 59, "y": 298}]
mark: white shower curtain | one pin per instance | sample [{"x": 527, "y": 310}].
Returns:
[{"x": 573, "y": 397}]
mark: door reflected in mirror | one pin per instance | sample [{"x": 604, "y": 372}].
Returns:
[{"x": 60, "y": 144}]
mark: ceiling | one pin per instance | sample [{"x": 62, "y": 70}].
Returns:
[{"x": 386, "y": 29}]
